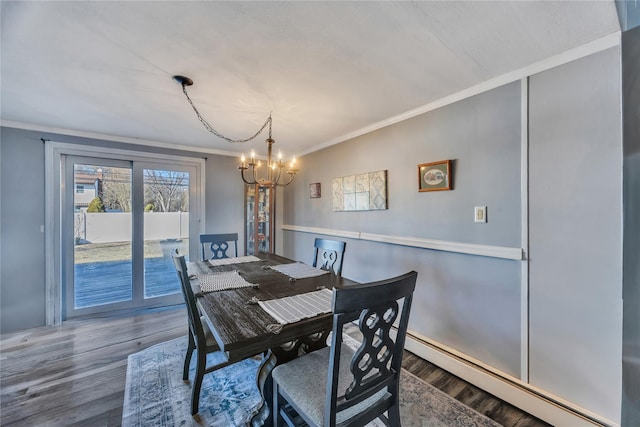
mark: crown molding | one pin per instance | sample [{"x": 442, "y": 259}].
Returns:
[
  {"x": 114, "y": 138},
  {"x": 584, "y": 50},
  {"x": 595, "y": 46}
]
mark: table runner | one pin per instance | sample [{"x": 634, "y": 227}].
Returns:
[
  {"x": 221, "y": 281},
  {"x": 298, "y": 270},
  {"x": 294, "y": 308},
  {"x": 233, "y": 260}
]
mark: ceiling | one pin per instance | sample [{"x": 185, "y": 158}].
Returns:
[{"x": 324, "y": 70}]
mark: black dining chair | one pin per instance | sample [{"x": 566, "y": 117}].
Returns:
[
  {"x": 340, "y": 386},
  {"x": 329, "y": 254},
  {"x": 200, "y": 337},
  {"x": 218, "y": 244}
]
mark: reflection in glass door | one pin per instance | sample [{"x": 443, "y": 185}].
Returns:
[{"x": 166, "y": 227}]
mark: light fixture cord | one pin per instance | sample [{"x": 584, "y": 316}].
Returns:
[{"x": 218, "y": 134}]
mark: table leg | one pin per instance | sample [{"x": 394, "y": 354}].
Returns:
[{"x": 274, "y": 357}]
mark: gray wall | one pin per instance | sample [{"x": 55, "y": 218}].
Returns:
[
  {"x": 631, "y": 286},
  {"x": 576, "y": 232},
  {"x": 22, "y": 261},
  {"x": 466, "y": 302},
  {"x": 473, "y": 303},
  {"x": 22, "y": 214}
]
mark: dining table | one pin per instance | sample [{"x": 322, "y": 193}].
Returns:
[{"x": 241, "y": 324}]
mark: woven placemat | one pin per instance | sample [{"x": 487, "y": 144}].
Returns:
[
  {"x": 297, "y": 307},
  {"x": 233, "y": 260},
  {"x": 298, "y": 270},
  {"x": 222, "y": 281}
]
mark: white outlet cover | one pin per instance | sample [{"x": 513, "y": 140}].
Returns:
[{"x": 480, "y": 214}]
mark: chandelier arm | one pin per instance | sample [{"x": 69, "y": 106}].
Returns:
[
  {"x": 291, "y": 178},
  {"x": 215, "y": 132},
  {"x": 277, "y": 178},
  {"x": 255, "y": 176},
  {"x": 244, "y": 179}
]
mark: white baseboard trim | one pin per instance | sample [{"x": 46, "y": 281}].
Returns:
[
  {"x": 537, "y": 402},
  {"x": 417, "y": 242}
]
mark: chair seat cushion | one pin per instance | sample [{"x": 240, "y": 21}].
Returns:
[{"x": 304, "y": 382}]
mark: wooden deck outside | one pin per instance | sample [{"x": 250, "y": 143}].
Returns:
[
  {"x": 105, "y": 281},
  {"x": 91, "y": 289}
]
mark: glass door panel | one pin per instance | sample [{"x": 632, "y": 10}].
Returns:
[
  {"x": 166, "y": 227},
  {"x": 264, "y": 219},
  {"x": 250, "y": 203},
  {"x": 102, "y": 238},
  {"x": 259, "y": 211}
]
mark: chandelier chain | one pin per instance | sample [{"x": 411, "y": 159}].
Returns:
[{"x": 218, "y": 134}]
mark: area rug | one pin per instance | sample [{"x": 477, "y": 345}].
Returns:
[{"x": 155, "y": 395}]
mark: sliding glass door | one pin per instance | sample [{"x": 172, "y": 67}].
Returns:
[{"x": 121, "y": 220}]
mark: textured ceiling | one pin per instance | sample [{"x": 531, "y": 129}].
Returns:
[{"x": 323, "y": 69}]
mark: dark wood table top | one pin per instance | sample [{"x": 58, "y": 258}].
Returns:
[{"x": 242, "y": 328}]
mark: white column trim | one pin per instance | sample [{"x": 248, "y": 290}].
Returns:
[
  {"x": 524, "y": 238},
  {"x": 53, "y": 287}
]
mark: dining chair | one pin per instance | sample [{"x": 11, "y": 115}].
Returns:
[
  {"x": 200, "y": 337},
  {"x": 218, "y": 244},
  {"x": 330, "y": 254},
  {"x": 342, "y": 386}
]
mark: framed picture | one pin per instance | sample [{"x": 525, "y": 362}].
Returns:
[
  {"x": 314, "y": 190},
  {"x": 363, "y": 192},
  {"x": 434, "y": 176}
]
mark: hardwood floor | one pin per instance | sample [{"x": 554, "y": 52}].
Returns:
[{"x": 74, "y": 375}]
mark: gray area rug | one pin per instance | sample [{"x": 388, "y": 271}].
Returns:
[{"x": 155, "y": 395}]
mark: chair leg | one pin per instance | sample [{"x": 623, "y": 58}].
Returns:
[
  {"x": 394, "y": 415},
  {"x": 276, "y": 405},
  {"x": 201, "y": 362},
  {"x": 187, "y": 358}
]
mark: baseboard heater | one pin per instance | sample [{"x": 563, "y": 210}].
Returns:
[{"x": 522, "y": 395}]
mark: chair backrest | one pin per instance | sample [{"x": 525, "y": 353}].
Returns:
[
  {"x": 218, "y": 244},
  {"x": 195, "y": 325},
  {"x": 375, "y": 366},
  {"x": 330, "y": 254}
]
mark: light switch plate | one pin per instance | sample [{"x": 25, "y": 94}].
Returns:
[{"x": 480, "y": 214}]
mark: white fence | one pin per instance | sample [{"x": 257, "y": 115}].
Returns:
[{"x": 116, "y": 226}]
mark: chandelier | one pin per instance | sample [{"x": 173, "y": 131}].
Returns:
[{"x": 276, "y": 169}]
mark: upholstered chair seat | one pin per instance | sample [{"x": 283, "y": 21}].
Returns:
[{"x": 304, "y": 380}]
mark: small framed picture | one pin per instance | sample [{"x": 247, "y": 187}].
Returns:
[
  {"x": 434, "y": 176},
  {"x": 314, "y": 190}
]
